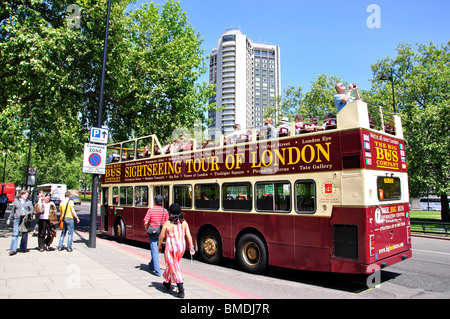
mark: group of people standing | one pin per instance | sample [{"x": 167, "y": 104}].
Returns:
[{"x": 45, "y": 212}]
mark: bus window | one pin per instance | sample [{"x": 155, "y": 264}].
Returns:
[
  {"x": 388, "y": 188},
  {"x": 126, "y": 196},
  {"x": 115, "y": 198},
  {"x": 128, "y": 150},
  {"x": 112, "y": 152},
  {"x": 273, "y": 196},
  {"x": 207, "y": 196},
  {"x": 164, "y": 192},
  {"x": 237, "y": 196},
  {"x": 305, "y": 197},
  {"x": 141, "y": 196},
  {"x": 182, "y": 195}
]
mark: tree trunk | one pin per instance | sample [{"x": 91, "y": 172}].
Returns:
[{"x": 445, "y": 211}]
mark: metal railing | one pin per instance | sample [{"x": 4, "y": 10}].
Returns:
[{"x": 431, "y": 227}]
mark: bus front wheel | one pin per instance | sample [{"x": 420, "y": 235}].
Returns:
[
  {"x": 210, "y": 246},
  {"x": 252, "y": 253}
]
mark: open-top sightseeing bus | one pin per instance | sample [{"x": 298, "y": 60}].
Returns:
[{"x": 333, "y": 200}]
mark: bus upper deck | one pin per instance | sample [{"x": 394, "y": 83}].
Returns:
[{"x": 355, "y": 115}]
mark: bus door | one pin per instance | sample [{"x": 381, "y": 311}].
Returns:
[{"x": 104, "y": 209}]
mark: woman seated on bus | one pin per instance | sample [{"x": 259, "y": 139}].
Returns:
[
  {"x": 146, "y": 152},
  {"x": 298, "y": 120},
  {"x": 267, "y": 130}
]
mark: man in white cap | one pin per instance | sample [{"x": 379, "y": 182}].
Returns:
[{"x": 284, "y": 127}]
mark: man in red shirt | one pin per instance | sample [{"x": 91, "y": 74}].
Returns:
[{"x": 155, "y": 217}]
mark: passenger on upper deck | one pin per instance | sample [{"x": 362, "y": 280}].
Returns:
[
  {"x": 232, "y": 137},
  {"x": 341, "y": 98},
  {"x": 113, "y": 157},
  {"x": 298, "y": 123},
  {"x": 329, "y": 123},
  {"x": 267, "y": 131},
  {"x": 166, "y": 148},
  {"x": 284, "y": 126},
  {"x": 146, "y": 152}
]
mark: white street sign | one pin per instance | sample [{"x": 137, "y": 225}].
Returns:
[
  {"x": 98, "y": 135},
  {"x": 94, "y": 158}
]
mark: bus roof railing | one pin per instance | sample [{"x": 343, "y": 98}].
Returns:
[{"x": 356, "y": 114}]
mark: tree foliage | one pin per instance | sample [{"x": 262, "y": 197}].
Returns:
[
  {"x": 50, "y": 73},
  {"x": 422, "y": 87},
  {"x": 316, "y": 102}
]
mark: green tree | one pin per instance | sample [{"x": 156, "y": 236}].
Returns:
[
  {"x": 421, "y": 80},
  {"x": 316, "y": 102},
  {"x": 50, "y": 74},
  {"x": 320, "y": 99}
]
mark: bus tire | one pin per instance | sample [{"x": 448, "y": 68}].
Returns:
[
  {"x": 210, "y": 246},
  {"x": 251, "y": 253},
  {"x": 119, "y": 230}
]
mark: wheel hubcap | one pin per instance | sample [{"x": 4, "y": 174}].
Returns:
[
  {"x": 210, "y": 246},
  {"x": 251, "y": 253}
]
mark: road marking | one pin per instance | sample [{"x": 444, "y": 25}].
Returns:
[{"x": 430, "y": 251}]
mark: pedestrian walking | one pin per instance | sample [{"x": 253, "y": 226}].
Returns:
[
  {"x": 174, "y": 232},
  {"x": 67, "y": 211},
  {"x": 21, "y": 214},
  {"x": 153, "y": 220},
  {"x": 46, "y": 221}
]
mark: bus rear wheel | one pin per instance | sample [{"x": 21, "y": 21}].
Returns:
[
  {"x": 210, "y": 246},
  {"x": 252, "y": 253}
]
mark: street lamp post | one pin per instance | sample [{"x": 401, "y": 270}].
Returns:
[
  {"x": 387, "y": 77},
  {"x": 95, "y": 177}
]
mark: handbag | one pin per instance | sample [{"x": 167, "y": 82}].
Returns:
[
  {"x": 25, "y": 222},
  {"x": 38, "y": 209},
  {"x": 61, "y": 220},
  {"x": 155, "y": 231}
]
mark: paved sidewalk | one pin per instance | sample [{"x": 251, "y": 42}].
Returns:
[
  {"x": 111, "y": 270},
  {"x": 59, "y": 274}
]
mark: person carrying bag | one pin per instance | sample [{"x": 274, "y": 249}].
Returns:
[
  {"x": 66, "y": 222},
  {"x": 61, "y": 219},
  {"x": 153, "y": 221}
]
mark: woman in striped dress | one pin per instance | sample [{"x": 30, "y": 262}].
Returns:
[{"x": 174, "y": 230}]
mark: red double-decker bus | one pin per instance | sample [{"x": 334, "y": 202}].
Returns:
[{"x": 333, "y": 200}]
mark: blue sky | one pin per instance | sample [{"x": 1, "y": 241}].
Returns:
[{"x": 323, "y": 36}]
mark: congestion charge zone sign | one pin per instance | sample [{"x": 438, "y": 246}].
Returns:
[{"x": 94, "y": 159}]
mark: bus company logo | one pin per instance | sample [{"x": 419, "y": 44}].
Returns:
[{"x": 328, "y": 188}]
